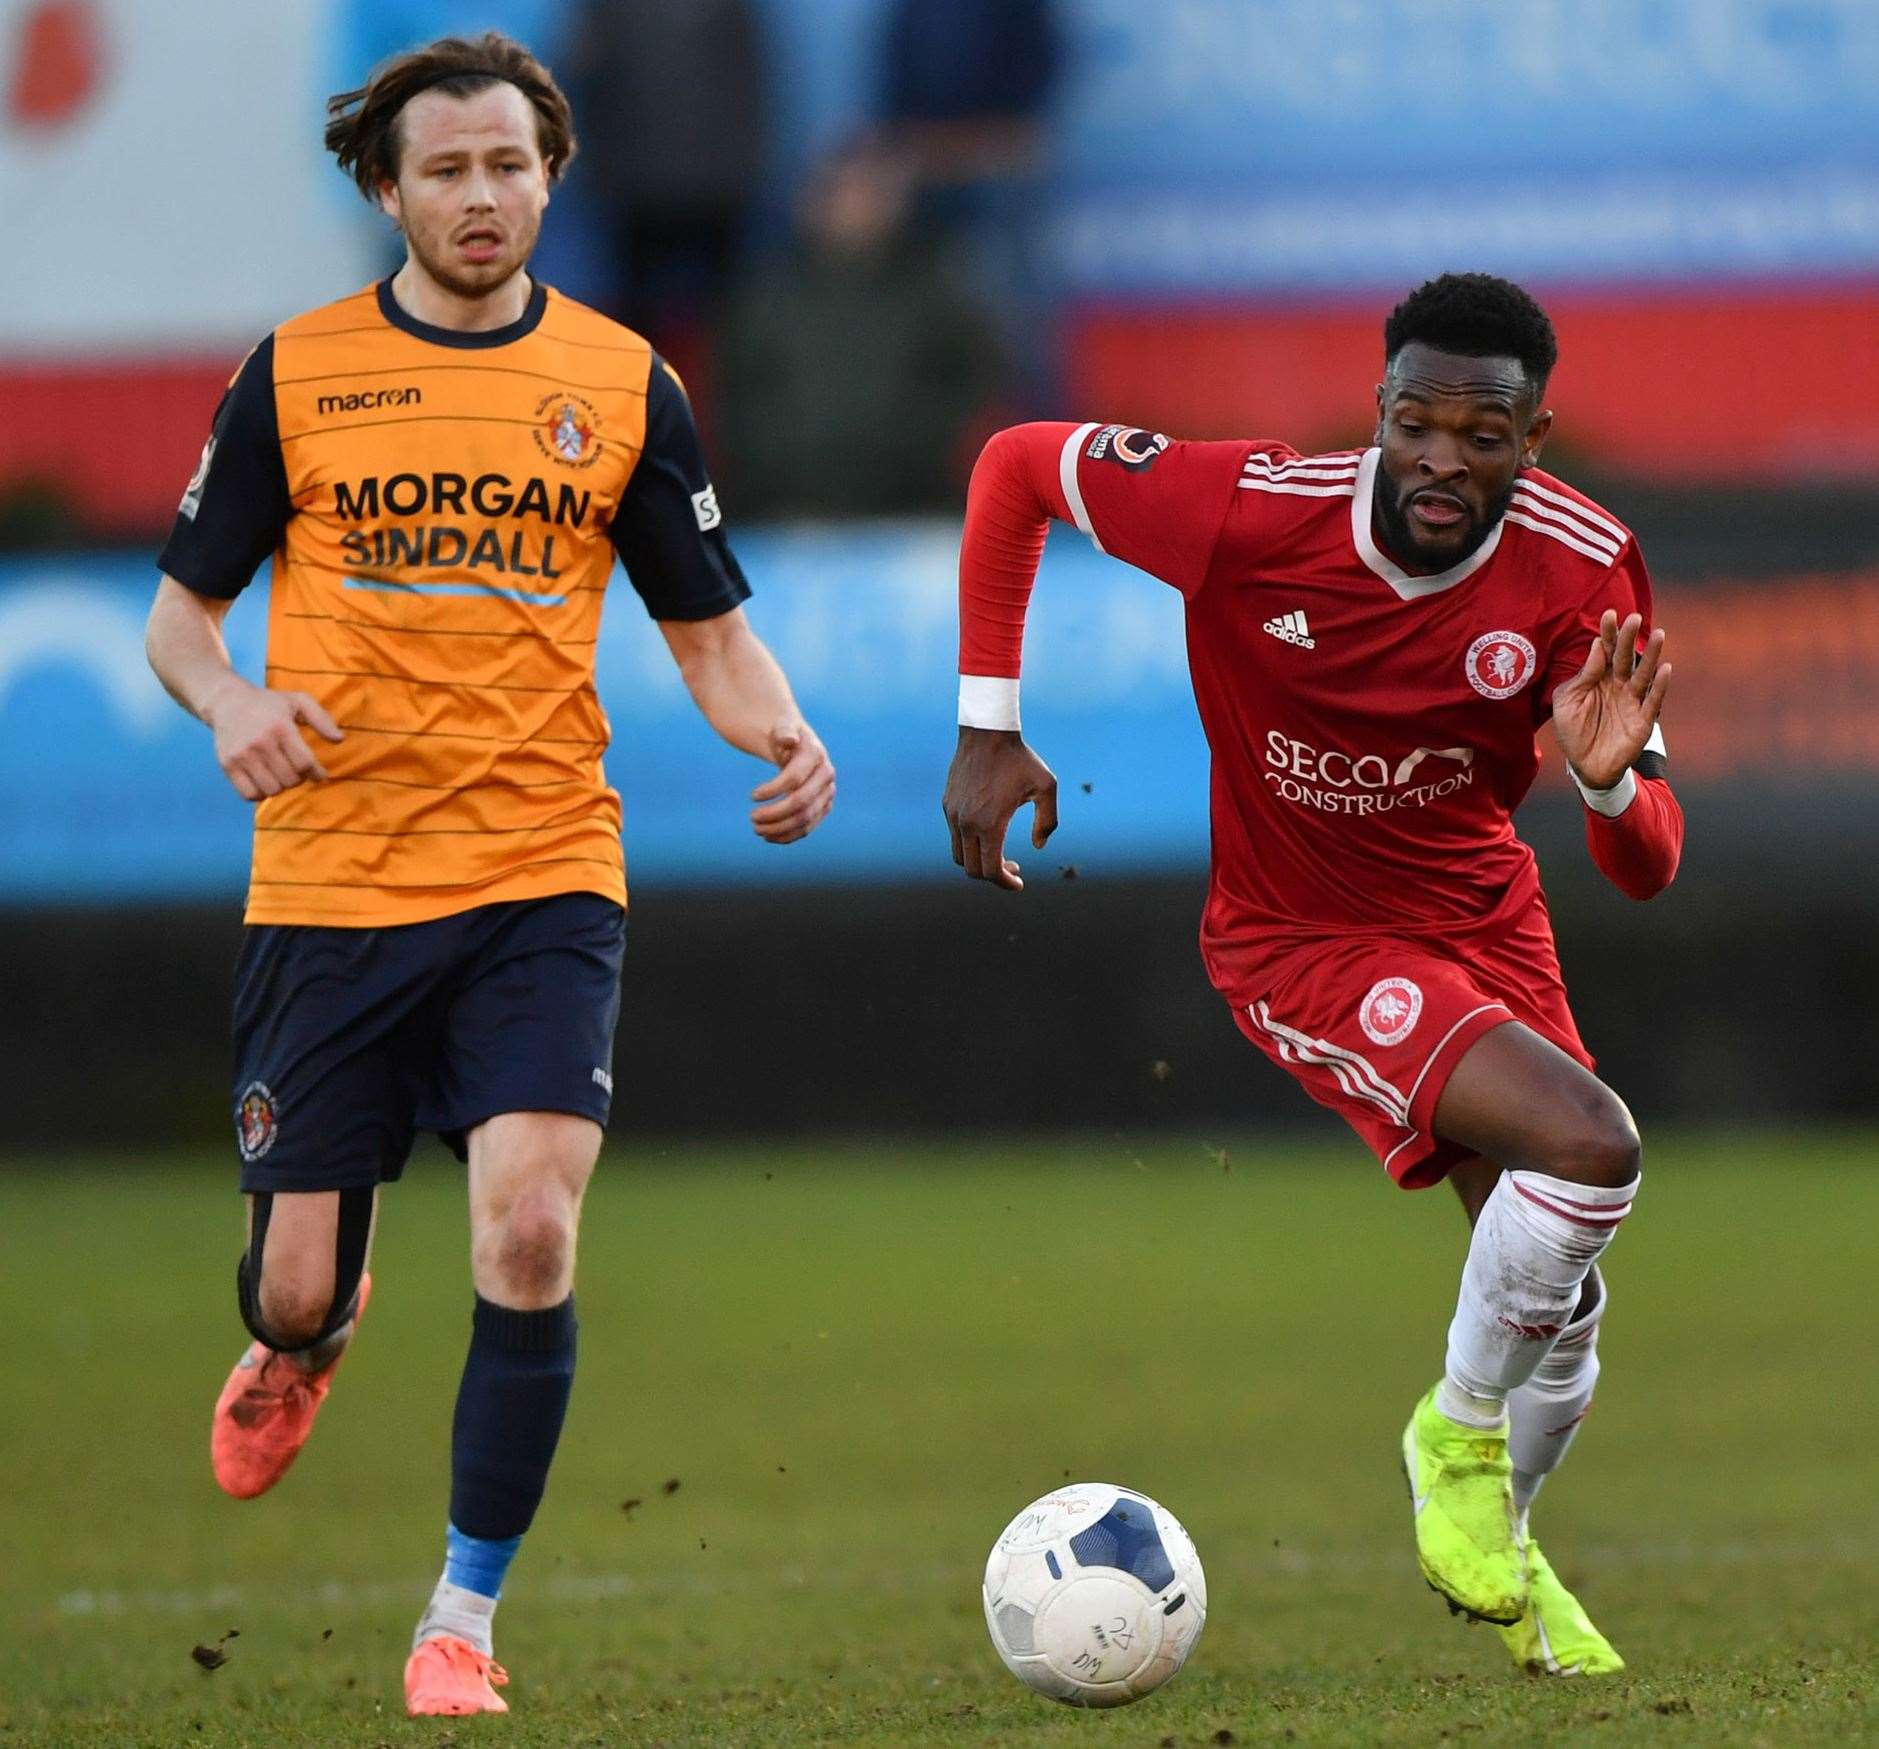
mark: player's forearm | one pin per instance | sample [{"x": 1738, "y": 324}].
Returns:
[
  {"x": 1014, "y": 495},
  {"x": 740, "y": 689},
  {"x": 184, "y": 646},
  {"x": 1637, "y": 848}
]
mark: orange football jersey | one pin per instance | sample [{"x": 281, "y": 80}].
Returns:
[{"x": 444, "y": 511}]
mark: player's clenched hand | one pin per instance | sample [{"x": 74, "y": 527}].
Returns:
[
  {"x": 993, "y": 775},
  {"x": 798, "y": 798},
  {"x": 258, "y": 741},
  {"x": 1606, "y": 712}
]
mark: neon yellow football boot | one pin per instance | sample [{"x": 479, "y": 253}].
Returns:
[
  {"x": 1556, "y": 1637},
  {"x": 1467, "y": 1542}
]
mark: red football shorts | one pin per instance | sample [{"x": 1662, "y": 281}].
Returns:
[{"x": 1374, "y": 1026}]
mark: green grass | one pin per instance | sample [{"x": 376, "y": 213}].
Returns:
[{"x": 857, "y": 1364}]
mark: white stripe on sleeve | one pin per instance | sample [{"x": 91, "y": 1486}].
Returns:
[
  {"x": 1573, "y": 507},
  {"x": 1559, "y": 534},
  {"x": 1067, "y": 475}
]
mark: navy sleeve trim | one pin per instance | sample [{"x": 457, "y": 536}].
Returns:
[
  {"x": 668, "y": 530},
  {"x": 236, "y": 506},
  {"x": 1651, "y": 763}
]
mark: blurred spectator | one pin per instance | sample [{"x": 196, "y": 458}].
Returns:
[
  {"x": 964, "y": 87},
  {"x": 964, "y": 84},
  {"x": 856, "y": 370},
  {"x": 671, "y": 101}
]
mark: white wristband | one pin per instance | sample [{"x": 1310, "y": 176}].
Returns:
[
  {"x": 988, "y": 701},
  {"x": 1609, "y": 802}
]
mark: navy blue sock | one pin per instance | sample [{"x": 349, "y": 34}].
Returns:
[{"x": 510, "y": 1407}]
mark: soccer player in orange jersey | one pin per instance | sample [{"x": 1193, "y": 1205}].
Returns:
[{"x": 443, "y": 468}]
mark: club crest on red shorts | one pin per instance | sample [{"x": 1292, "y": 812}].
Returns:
[
  {"x": 1500, "y": 664},
  {"x": 256, "y": 1121},
  {"x": 1388, "y": 1014}
]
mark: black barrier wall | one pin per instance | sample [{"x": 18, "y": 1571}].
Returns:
[{"x": 1745, "y": 994}]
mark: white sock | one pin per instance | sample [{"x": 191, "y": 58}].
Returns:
[
  {"x": 465, "y": 1615},
  {"x": 1544, "y": 1413},
  {"x": 1533, "y": 1246}
]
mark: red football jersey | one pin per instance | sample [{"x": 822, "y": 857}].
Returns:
[{"x": 1372, "y": 731}]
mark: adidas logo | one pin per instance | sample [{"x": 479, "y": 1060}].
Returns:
[{"x": 1291, "y": 628}]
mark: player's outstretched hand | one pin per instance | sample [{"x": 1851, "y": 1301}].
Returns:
[
  {"x": 258, "y": 741},
  {"x": 797, "y": 800},
  {"x": 993, "y": 775},
  {"x": 1605, "y": 713}
]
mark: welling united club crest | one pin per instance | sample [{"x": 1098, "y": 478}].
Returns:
[
  {"x": 1388, "y": 1014},
  {"x": 566, "y": 430},
  {"x": 257, "y": 1122},
  {"x": 1500, "y": 664}
]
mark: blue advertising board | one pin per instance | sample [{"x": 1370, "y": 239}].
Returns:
[
  {"x": 1221, "y": 147},
  {"x": 1226, "y": 148},
  {"x": 109, "y": 792},
  {"x": 1228, "y": 145}
]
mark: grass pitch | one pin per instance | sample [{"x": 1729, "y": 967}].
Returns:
[{"x": 815, "y": 1384}]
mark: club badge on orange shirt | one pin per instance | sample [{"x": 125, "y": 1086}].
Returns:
[{"x": 567, "y": 430}]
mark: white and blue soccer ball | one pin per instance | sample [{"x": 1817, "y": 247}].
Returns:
[{"x": 1094, "y": 1595}]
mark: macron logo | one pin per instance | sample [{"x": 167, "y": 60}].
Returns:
[
  {"x": 368, "y": 398},
  {"x": 1290, "y": 628}
]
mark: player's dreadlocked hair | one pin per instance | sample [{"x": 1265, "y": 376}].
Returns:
[
  {"x": 1477, "y": 316},
  {"x": 362, "y": 125}
]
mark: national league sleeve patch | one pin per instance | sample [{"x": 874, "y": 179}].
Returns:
[
  {"x": 1127, "y": 445},
  {"x": 192, "y": 493}
]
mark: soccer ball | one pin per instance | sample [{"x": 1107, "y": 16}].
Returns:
[{"x": 1094, "y": 1595}]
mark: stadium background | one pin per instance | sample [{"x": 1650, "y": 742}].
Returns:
[
  {"x": 1223, "y": 201},
  {"x": 1213, "y": 205}
]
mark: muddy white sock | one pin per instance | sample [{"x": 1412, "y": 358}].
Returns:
[
  {"x": 1533, "y": 1246},
  {"x": 1544, "y": 1413},
  {"x": 464, "y": 1615}
]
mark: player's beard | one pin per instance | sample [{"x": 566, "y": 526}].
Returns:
[
  {"x": 1399, "y": 534},
  {"x": 486, "y": 278}
]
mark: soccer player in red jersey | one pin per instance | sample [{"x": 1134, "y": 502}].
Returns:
[{"x": 1375, "y": 638}]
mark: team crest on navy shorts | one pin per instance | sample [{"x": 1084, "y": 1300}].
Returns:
[
  {"x": 257, "y": 1122},
  {"x": 1388, "y": 1014},
  {"x": 1500, "y": 664}
]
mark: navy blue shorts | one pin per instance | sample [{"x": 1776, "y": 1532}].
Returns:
[{"x": 350, "y": 1041}]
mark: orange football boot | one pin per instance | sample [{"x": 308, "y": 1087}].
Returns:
[
  {"x": 265, "y": 1413},
  {"x": 449, "y": 1676}
]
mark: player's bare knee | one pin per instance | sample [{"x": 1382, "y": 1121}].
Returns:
[
  {"x": 298, "y": 1280},
  {"x": 532, "y": 1248},
  {"x": 296, "y": 1310},
  {"x": 1601, "y": 1147}
]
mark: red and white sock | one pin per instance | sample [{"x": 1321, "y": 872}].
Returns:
[
  {"x": 1543, "y": 1415},
  {"x": 1534, "y": 1245}
]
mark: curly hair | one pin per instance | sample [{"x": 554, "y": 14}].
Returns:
[
  {"x": 1477, "y": 316},
  {"x": 362, "y": 126}
]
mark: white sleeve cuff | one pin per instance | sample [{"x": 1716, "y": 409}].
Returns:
[
  {"x": 988, "y": 701},
  {"x": 1609, "y": 802}
]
